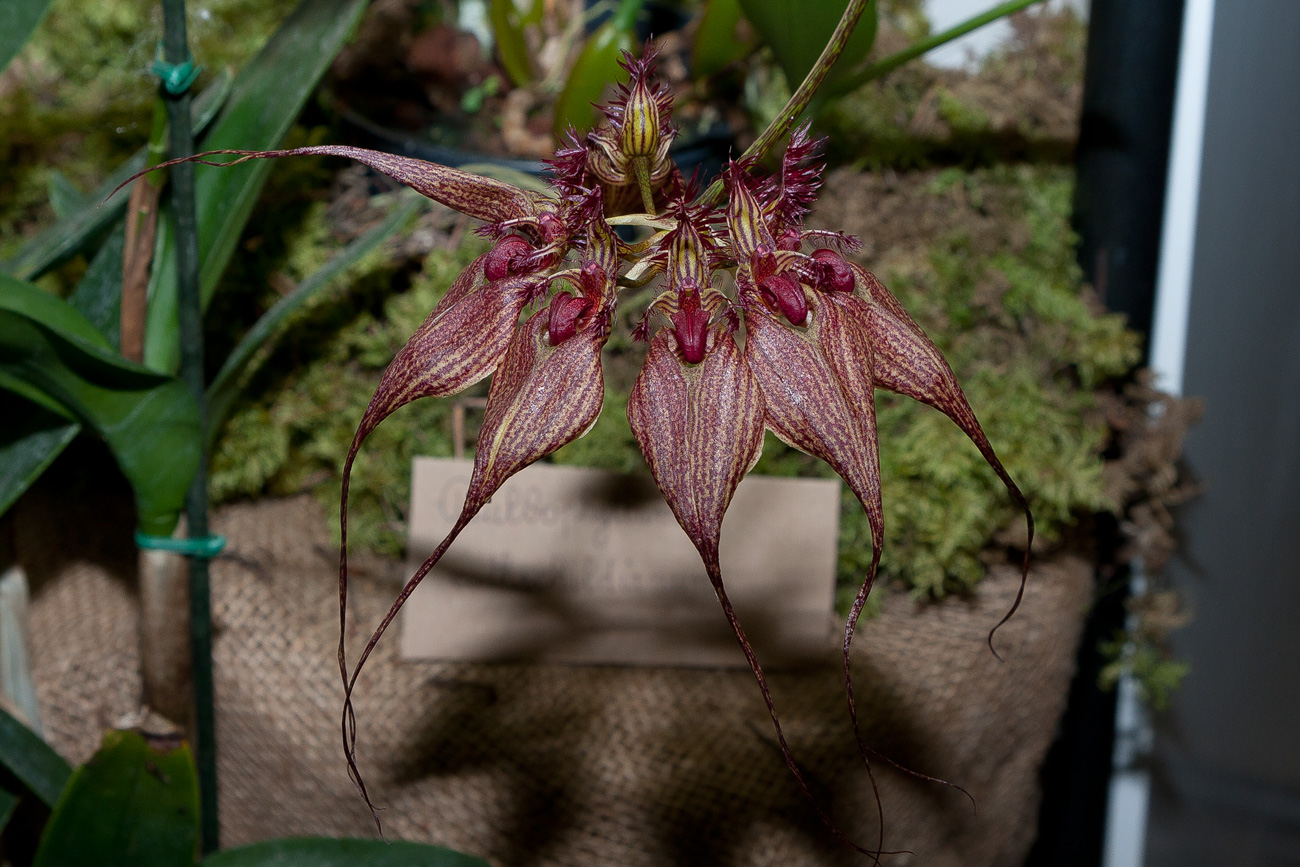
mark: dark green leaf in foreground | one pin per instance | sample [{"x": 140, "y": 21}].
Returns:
[
  {"x": 31, "y": 760},
  {"x": 18, "y": 18},
  {"x": 30, "y": 439},
  {"x": 267, "y": 96},
  {"x": 71, "y": 234},
  {"x": 134, "y": 804},
  {"x": 326, "y": 852},
  {"x": 8, "y": 801},
  {"x": 150, "y": 421},
  {"x": 98, "y": 296}
]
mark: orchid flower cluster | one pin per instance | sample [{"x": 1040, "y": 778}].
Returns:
[{"x": 760, "y": 324}]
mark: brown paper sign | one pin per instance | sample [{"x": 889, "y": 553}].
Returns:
[{"x": 568, "y": 564}]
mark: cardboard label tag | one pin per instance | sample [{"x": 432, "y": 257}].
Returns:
[{"x": 569, "y": 564}]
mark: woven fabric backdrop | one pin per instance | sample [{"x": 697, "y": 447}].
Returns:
[{"x": 554, "y": 765}]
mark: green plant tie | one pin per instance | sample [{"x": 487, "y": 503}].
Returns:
[
  {"x": 204, "y": 546},
  {"x": 176, "y": 77}
]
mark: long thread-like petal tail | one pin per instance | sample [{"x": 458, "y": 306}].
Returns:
[
  {"x": 462, "y": 341},
  {"x": 542, "y": 397},
  {"x": 715, "y": 578},
  {"x": 817, "y": 388},
  {"x": 908, "y": 362},
  {"x": 700, "y": 427},
  {"x": 484, "y": 198}
]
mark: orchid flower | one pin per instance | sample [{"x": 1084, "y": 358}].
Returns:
[{"x": 798, "y": 347}]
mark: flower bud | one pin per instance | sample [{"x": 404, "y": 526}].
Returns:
[
  {"x": 640, "y": 122},
  {"x": 784, "y": 292},
  {"x": 833, "y": 273}
]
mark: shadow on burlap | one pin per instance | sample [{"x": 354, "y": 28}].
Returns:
[{"x": 555, "y": 765}]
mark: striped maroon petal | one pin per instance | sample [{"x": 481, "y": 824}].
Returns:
[
  {"x": 700, "y": 427},
  {"x": 817, "y": 387},
  {"x": 542, "y": 397},
  {"x": 906, "y": 361},
  {"x": 460, "y": 342},
  {"x": 485, "y": 198}
]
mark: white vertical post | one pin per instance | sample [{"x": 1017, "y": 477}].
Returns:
[{"x": 1130, "y": 786}]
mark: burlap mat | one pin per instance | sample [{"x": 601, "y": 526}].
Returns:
[{"x": 574, "y": 766}]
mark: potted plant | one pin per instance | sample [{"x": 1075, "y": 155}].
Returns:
[{"x": 470, "y": 689}]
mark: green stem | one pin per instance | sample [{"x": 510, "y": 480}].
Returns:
[
  {"x": 799, "y": 100},
  {"x": 889, "y": 64},
  {"x": 176, "y": 52}
]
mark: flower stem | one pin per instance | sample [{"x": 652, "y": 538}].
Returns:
[{"x": 800, "y": 98}]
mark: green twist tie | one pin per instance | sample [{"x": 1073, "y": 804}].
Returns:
[
  {"x": 206, "y": 547},
  {"x": 176, "y": 78}
]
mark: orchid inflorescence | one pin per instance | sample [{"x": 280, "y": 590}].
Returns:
[{"x": 794, "y": 338}]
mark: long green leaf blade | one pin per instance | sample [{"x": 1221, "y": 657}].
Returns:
[
  {"x": 512, "y": 47},
  {"x": 225, "y": 387},
  {"x": 98, "y": 296},
  {"x": 19, "y": 296},
  {"x": 18, "y": 18},
  {"x": 29, "y": 442},
  {"x": 133, "y": 804},
  {"x": 327, "y": 852},
  {"x": 267, "y": 96},
  {"x": 69, "y": 236},
  {"x": 150, "y": 421},
  {"x": 595, "y": 69},
  {"x": 31, "y": 760}
]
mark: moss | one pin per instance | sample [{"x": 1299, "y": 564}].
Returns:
[
  {"x": 1028, "y": 360},
  {"x": 1148, "y": 662},
  {"x": 292, "y": 431},
  {"x": 78, "y": 97}
]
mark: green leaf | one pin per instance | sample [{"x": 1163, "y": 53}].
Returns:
[
  {"x": 595, "y": 69},
  {"x": 225, "y": 387},
  {"x": 98, "y": 296},
  {"x": 18, "y": 18},
  {"x": 150, "y": 421},
  {"x": 8, "y": 801},
  {"x": 70, "y": 235},
  {"x": 267, "y": 96},
  {"x": 19, "y": 296},
  {"x": 132, "y": 805},
  {"x": 327, "y": 852},
  {"x": 44, "y": 430},
  {"x": 716, "y": 45},
  {"x": 31, "y": 760},
  {"x": 29, "y": 442},
  {"x": 797, "y": 31},
  {"x": 512, "y": 48},
  {"x": 65, "y": 198}
]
